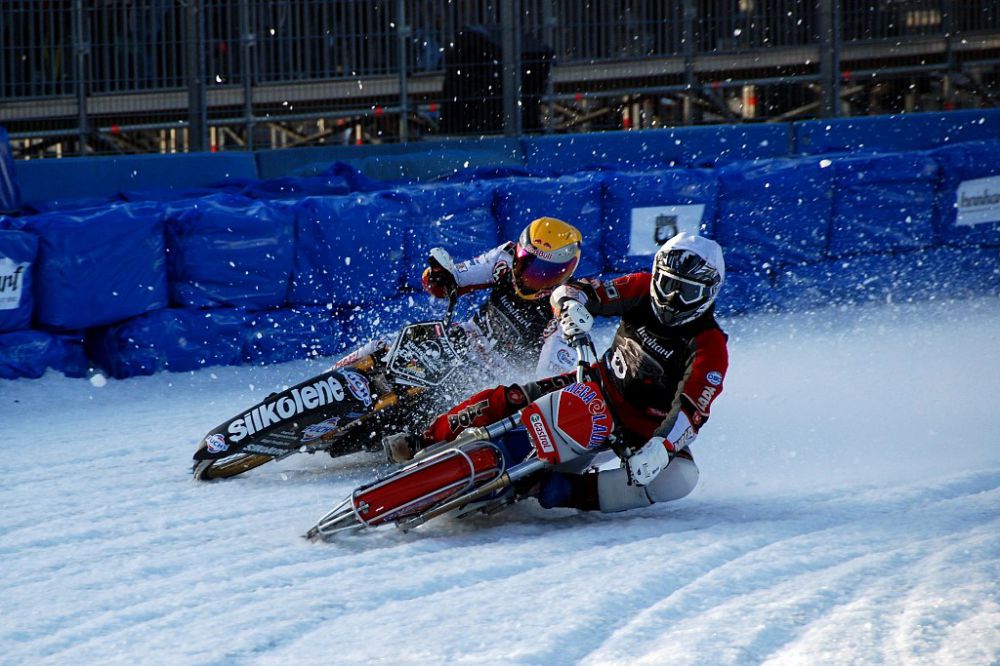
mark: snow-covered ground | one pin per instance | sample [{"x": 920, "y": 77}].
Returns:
[{"x": 848, "y": 512}]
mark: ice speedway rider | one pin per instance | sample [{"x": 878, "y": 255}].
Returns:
[
  {"x": 513, "y": 331},
  {"x": 512, "y": 328},
  {"x": 661, "y": 374}
]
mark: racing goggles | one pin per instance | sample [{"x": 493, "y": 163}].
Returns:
[
  {"x": 537, "y": 271},
  {"x": 689, "y": 293}
]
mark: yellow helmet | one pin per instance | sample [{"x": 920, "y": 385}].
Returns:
[{"x": 545, "y": 256}]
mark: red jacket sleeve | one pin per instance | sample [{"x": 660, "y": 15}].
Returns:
[
  {"x": 614, "y": 297},
  {"x": 708, "y": 372}
]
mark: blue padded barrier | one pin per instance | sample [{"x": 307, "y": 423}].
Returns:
[
  {"x": 895, "y": 133},
  {"x": 883, "y": 203},
  {"x": 656, "y": 148},
  {"x": 349, "y": 249},
  {"x": 573, "y": 199},
  {"x": 479, "y": 174},
  {"x": 170, "y": 339},
  {"x": 287, "y": 334},
  {"x": 18, "y": 252},
  {"x": 170, "y": 196},
  {"x": 643, "y": 210},
  {"x": 940, "y": 272},
  {"x": 98, "y": 266},
  {"x": 28, "y": 354},
  {"x": 969, "y": 193},
  {"x": 85, "y": 181},
  {"x": 457, "y": 217},
  {"x": 230, "y": 251},
  {"x": 774, "y": 212}
]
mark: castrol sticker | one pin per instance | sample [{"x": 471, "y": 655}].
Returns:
[{"x": 540, "y": 434}]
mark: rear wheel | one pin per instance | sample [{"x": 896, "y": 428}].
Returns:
[{"x": 224, "y": 468}]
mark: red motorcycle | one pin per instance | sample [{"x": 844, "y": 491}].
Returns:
[{"x": 479, "y": 470}]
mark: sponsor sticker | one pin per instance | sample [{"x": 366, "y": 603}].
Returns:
[
  {"x": 286, "y": 406},
  {"x": 714, "y": 377},
  {"x": 358, "y": 386},
  {"x": 541, "y": 435},
  {"x": 654, "y": 225},
  {"x": 565, "y": 357},
  {"x": 978, "y": 202},
  {"x": 216, "y": 443},
  {"x": 550, "y": 328},
  {"x": 705, "y": 399},
  {"x": 499, "y": 270},
  {"x": 317, "y": 430},
  {"x": 590, "y": 432},
  {"x": 466, "y": 417},
  {"x": 11, "y": 283}
]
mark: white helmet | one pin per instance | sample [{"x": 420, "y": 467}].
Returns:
[{"x": 688, "y": 271}]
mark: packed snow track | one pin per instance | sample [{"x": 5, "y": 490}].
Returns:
[{"x": 848, "y": 512}]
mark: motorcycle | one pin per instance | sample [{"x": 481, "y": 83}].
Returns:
[
  {"x": 479, "y": 471},
  {"x": 339, "y": 410}
]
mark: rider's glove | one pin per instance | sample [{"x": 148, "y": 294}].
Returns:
[
  {"x": 575, "y": 320},
  {"x": 563, "y": 293},
  {"x": 646, "y": 464},
  {"x": 438, "y": 280}
]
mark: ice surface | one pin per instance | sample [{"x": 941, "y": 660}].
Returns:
[{"x": 848, "y": 512}]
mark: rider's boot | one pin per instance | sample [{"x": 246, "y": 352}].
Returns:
[{"x": 401, "y": 446}]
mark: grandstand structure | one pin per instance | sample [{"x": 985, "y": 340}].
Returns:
[{"x": 161, "y": 76}]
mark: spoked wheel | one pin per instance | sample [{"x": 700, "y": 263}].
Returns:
[{"x": 224, "y": 468}]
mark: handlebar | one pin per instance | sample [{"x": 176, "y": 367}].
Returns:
[
  {"x": 440, "y": 258},
  {"x": 585, "y": 355},
  {"x": 452, "y": 300}
]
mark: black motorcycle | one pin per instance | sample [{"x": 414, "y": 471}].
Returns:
[{"x": 340, "y": 410}]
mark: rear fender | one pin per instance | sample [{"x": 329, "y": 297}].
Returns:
[{"x": 299, "y": 416}]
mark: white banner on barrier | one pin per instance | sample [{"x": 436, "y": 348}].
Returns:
[
  {"x": 978, "y": 202},
  {"x": 11, "y": 283},
  {"x": 655, "y": 225}
]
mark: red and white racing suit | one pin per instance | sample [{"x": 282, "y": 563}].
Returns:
[{"x": 659, "y": 381}]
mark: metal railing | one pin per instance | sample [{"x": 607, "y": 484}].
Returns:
[{"x": 82, "y": 76}]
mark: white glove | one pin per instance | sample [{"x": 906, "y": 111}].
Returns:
[
  {"x": 565, "y": 292},
  {"x": 575, "y": 320},
  {"x": 646, "y": 464}
]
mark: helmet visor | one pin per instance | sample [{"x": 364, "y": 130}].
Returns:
[
  {"x": 689, "y": 293},
  {"x": 533, "y": 274}
]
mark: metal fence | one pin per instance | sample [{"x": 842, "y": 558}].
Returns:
[{"x": 82, "y": 76}]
